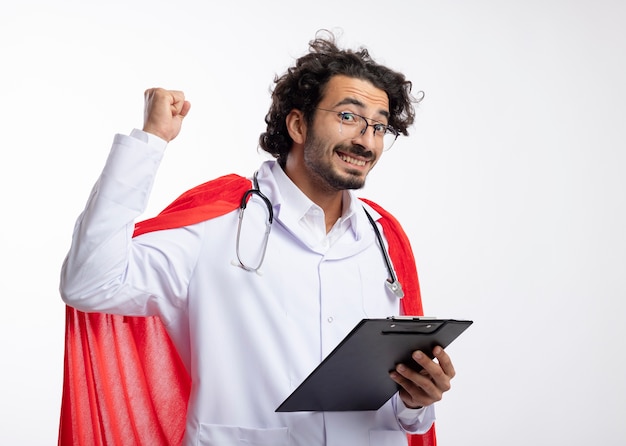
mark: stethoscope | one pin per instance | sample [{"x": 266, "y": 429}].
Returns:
[{"x": 391, "y": 282}]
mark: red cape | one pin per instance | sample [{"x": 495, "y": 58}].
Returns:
[{"x": 125, "y": 384}]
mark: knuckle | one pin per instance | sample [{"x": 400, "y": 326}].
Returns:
[
  {"x": 446, "y": 386},
  {"x": 439, "y": 374}
]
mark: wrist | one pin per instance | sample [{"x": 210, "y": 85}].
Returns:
[{"x": 149, "y": 138}]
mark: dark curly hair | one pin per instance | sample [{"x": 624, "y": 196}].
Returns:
[{"x": 302, "y": 87}]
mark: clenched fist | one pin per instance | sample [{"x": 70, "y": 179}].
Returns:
[{"x": 164, "y": 112}]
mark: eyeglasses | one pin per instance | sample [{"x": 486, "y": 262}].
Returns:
[{"x": 354, "y": 125}]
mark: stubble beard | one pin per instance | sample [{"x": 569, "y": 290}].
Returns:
[{"x": 326, "y": 175}]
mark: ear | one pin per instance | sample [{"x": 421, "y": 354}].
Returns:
[{"x": 296, "y": 126}]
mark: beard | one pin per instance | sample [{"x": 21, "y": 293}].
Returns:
[{"x": 325, "y": 173}]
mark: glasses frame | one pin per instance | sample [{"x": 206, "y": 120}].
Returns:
[{"x": 389, "y": 130}]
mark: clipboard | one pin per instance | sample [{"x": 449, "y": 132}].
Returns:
[{"x": 355, "y": 375}]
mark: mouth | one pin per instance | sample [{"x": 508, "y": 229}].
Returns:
[{"x": 359, "y": 162}]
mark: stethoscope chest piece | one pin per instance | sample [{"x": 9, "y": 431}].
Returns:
[{"x": 395, "y": 287}]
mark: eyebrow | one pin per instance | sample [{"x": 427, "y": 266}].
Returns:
[{"x": 354, "y": 101}]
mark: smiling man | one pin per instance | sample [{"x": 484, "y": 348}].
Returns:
[{"x": 252, "y": 313}]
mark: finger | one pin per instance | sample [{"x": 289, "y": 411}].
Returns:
[
  {"x": 411, "y": 394},
  {"x": 415, "y": 389},
  {"x": 444, "y": 362},
  {"x": 185, "y": 109},
  {"x": 421, "y": 380},
  {"x": 176, "y": 100},
  {"x": 433, "y": 370},
  {"x": 180, "y": 106}
]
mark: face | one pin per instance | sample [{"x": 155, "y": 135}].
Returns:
[{"x": 335, "y": 158}]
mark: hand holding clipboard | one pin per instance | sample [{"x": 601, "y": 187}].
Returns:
[{"x": 373, "y": 348}]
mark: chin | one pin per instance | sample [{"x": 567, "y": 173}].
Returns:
[{"x": 349, "y": 182}]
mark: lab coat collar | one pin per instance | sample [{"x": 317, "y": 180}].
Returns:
[{"x": 290, "y": 204}]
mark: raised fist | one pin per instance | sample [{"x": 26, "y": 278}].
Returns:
[{"x": 164, "y": 112}]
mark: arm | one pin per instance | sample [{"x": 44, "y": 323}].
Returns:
[{"x": 105, "y": 269}]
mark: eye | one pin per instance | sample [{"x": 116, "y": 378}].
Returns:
[
  {"x": 380, "y": 129},
  {"x": 349, "y": 118}
]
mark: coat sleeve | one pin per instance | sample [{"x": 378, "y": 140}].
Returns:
[{"x": 124, "y": 382}]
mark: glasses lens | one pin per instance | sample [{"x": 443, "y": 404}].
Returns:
[
  {"x": 351, "y": 124},
  {"x": 389, "y": 138}
]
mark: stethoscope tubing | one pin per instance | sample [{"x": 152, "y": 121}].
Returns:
[{"x": 392, "y": 281}]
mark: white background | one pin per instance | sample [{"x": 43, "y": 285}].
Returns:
[{"x": 511, "y": 185}]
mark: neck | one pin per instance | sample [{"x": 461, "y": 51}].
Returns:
[
  {"x": 333, "y": 208},
  {"x": 330, "y": 200}
]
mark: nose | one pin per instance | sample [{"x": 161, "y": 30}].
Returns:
[{"x": 367, "y": 139}]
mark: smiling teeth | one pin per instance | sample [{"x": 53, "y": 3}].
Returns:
[{"x": 349, "y": 159}]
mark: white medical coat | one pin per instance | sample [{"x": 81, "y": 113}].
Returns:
[{"x": 247, "y": 339}]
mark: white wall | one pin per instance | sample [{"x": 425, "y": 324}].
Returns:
[{"x": 511, "y": 185}]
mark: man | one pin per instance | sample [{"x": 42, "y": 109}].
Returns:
[{"x": 252, "y": 314}]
